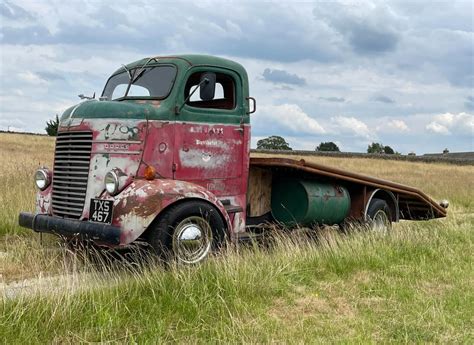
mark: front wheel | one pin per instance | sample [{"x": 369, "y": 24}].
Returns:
[
  {"x": 379, "y": 215},
  {"x": 187, "y": 232}
]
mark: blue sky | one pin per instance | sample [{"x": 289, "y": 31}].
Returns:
[{"x": 353, "y": 72}]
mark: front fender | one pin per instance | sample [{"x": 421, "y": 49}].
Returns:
[{"x": 140, "y": 202}]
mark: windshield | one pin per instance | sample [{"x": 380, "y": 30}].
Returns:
[{"x": 154, "y": 82}]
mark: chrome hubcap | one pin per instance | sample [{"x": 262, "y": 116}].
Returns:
[
  {"x": 380, "y": 221},
  {"x": 192, "y": 240}
]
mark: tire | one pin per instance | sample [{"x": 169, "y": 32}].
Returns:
[
  {"x": 187, "y": 232},
  {"x": 379, "y": 216}
]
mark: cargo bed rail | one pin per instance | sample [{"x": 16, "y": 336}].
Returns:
[{"x": 415, "y": 203}]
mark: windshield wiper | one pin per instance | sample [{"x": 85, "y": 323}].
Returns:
[
  {"x": 142, "y": 71},
  {"x": 136, "y": 76},
  {"x": 128, "y": 71}
]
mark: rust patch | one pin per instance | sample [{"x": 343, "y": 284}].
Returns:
[{"x": 137, "y": 206}]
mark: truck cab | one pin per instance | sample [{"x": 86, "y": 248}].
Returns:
[{"x": 164, "y": 156}]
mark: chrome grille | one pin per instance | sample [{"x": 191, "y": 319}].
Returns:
[{"x": 71, "y": 171}]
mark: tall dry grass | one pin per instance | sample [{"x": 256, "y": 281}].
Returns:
[
  {"x": 20, "y": 156},
  {"x": 412, "y": 285}
]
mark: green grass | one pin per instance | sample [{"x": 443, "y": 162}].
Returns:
[{"x": 413, "y": 285}]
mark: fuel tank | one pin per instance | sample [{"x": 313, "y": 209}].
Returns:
[{"x": 306, "y": 202}]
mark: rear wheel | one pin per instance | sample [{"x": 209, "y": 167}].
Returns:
[
  {"x": 379, "y": 215},
  {"x": 187, "y": 232}
]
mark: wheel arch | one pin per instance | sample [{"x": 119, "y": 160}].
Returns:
[
  {"x": 184, "y": 200},
  {"x": 389, "y": 198},
  {"x": 137, "y": 207}
]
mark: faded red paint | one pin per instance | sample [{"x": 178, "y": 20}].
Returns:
[{"x": 213, "y": 159}]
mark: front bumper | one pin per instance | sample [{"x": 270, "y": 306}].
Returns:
[{"x": 100, "y": 233}]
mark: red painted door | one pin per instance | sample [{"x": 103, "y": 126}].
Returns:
[
  {"x": 208, "y": 151},
  {"x": 209, "y": 140}
]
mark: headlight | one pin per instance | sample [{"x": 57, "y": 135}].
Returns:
[
  {"x": 111, "y": 182},
  {"x": 42, "y": 178}
]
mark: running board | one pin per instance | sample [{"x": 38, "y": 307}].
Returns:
[
  {"x": 231, "y": 208},
  {"x": 247, "y": 237}
]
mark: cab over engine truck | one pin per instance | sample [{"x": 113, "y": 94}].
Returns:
[{"x": 164, "y": 156}]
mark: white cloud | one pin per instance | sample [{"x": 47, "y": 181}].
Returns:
[
  {"x": 290, "y": 117},
  {"x": 391, "y": 126},
  {"x": 448, "y": 123},
  {"x": 351, "y": 125},
  {"x": 399, "y": 125},
  {"x": 437, "y": 128}
]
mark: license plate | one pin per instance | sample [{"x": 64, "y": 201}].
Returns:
[{"x": 101, "y": 211}]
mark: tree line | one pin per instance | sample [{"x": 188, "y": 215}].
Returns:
[{"x": 276, "y": 142}]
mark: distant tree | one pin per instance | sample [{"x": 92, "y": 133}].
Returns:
[
  {"x": 388, "y": 150},
  {"x": 328, "y": 146},
  {"x": 274, "y": 142},
  {"x": 445, "y": 151},
  {"x": 52, "y": 126},
  {"x": 375, "y": 148}
]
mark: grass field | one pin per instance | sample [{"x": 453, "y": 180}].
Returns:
[{"x": 415, "y": 284}]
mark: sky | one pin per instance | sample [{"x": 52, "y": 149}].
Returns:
[{"x": 352, "y": 72}]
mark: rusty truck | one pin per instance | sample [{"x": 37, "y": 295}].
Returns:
[{"x": 163, "y": 156}]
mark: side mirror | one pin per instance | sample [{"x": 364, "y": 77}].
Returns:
[{"x": 207, "y": 86}]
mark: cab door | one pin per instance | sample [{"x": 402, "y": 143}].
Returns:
[{"x": 209, "y": 134}]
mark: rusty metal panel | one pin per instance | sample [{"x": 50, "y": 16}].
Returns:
[
  {"x": 131, "y": 146},
  {"x": 358, "y": 201},
  {"x": 138, "y": 205},
  {"x": 116, "y": 144}
]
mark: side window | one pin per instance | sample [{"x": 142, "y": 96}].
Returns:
[{"x": 224, "y": 96}]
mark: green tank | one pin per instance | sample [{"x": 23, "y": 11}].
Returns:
[{"x": 305, "y": 202}]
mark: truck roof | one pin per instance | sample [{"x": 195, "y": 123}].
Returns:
[{"x": 189, "y": 60}]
